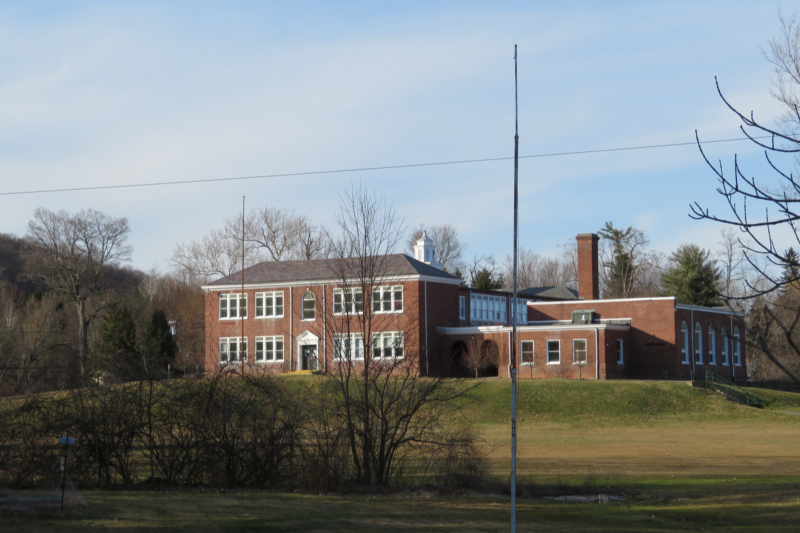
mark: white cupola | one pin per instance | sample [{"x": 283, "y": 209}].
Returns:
[{"x": 425, "y": 251}]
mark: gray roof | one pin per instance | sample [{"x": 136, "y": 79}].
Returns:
[
  {"x": 549, "y": 293},
  {"x": 322, "y": 269}
]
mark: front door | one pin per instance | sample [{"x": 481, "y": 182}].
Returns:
[{"x": 309, "y": 357}]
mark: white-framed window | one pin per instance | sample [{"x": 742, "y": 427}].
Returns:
[
  {"x": 725, "y": 358},
  {"x": 579, "y": 351},
  {"x": 521, "y": 311},
  {"x": 269, "y": 349},
  {"x": 553, "y": 352},
  {"x": 526, "y": 352},
  {"x": 620, "y": 352},
  {"x": 698, "y": 344},
  {"x": 349, "y": 302},
  {"x": 309, "y": 306},
  {"x": 348, "y": 346},
  {"x": 387, "y": 345},
  {"x": 684, "y": 343},
  {"x": 269, "y": 304},
  {"x": 488, "y": 307},
  {"x": 737, "y": 347},
  {"x": 232, "y": 349},
  {"x": 232, "y": 306},
  {"x": 387, "y": 299},
  {"x": 462, "y": 307},
  {"x": 712, "y": 345}
]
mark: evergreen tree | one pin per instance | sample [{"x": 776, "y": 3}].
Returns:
[
  {"x": 160, "y": 347},
  {"x": 116, "y": 351},
  {"x": 692, "y": 278},
  {"x": 484, "y": 279}
]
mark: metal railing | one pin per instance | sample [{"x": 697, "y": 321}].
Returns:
[{"x": 731, "y": 391}]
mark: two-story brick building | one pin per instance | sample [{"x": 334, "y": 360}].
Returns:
[{"x": 305, "y": 315}]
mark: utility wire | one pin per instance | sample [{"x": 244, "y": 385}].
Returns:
[{"x": 365, "y": 169}]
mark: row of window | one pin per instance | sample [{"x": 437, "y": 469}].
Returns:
[
  {"x": 234, "y": 349},
  {"x": 270, "y": 304},
  {"x": 554, "y": 352},
  {"x": 269, "y": 349},
  {"x": 386, "y": 345},
  {"x": 712, "y": 345},
  {"x": 491, "y": 308}
]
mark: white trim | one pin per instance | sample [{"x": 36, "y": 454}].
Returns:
[
  {"x": 726, "y": 312},
  {"x": 264, "y": 296},
  {"x": 615, "y": 300},
  {"x": 330, "y": 281},
  {"x": 471, "y": 330}
]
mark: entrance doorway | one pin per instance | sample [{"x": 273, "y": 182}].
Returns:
[{"x": 308, "y": 357}]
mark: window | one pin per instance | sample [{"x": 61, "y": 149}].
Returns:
[
  {"x": 387, "y": 345},
  {"x": 309, "y": 306},
  {"x": 725, "y": 360},
  {"x": 737, "y": 347},
  {"x": 698, "y": 344},
  {"x": 553, "y": 352},
  {"x": 487, "y": 307},
  {"x": 712, "y": 345},
  {"x": 348, "y": 302},
  {"x": 579, "y": 351},
  {"x": 684, "y": 343},
  {"x": 620, "y": 350},
  {"x": 269, "y": 304},
  {"x": 348, "y": 346},
  {"x": 527, "y": 352},
  {"x": 229, "y": 349},
  {"x": 462, "y": 307},
  {"x": 387, "y": 299},
  {"x": 521, "y": 314},
  {"x": 269, "y": 349},
  {"x": 230, "y": 306}
]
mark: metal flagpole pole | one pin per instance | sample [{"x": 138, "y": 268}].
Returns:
[
  {"x": 513, "y": 354},
  {"x": 242, "y": 304}
]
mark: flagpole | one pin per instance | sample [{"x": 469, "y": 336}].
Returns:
[{"x": 513, "y": 355}]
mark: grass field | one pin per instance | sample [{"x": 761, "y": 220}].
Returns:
[{"x": 683, "y": 459}]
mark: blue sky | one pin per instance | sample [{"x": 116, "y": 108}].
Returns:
[{"x": 100, "y": 93}]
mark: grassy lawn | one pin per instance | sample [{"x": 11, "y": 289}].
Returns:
[
  {"x": 743, "y": 507},
  {"x": 683, "y": 459}
]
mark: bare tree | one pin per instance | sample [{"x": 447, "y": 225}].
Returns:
[
  {"x": 480, "y": 355},
  {"x": 70, "y": 255},
  {"x": 535, "y": 270},
  {"x": 283, "y": 234},
  {"x": 449, "y": 248},
  {"x": 213, "y": 256},
  {"x": 386, "y": 411},
  {"x": 779, "y": 191}
]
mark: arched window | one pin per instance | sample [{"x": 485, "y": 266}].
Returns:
[
  {"x": 737, "y": 347},
  {"x": 725, "y": 360},
  {"x": 309, "y": 306},
  {"x": 698, "y": 344},
  {"x": 712, "y": 345},
  {"x": 684, "y": 343}
]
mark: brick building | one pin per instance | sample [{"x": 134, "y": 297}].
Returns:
[{"x": 309, "y": 315}]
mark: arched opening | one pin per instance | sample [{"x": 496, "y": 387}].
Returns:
[
  {"x": 458, "y": 354},
  {"x": 490, "y": 354}
]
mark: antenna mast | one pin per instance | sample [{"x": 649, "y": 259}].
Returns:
[{"x": 514, "y": 313}]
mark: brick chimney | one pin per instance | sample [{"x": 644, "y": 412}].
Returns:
[{"x": 588, "y": 280}]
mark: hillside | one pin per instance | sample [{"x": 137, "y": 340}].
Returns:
[{"x": 614, "y": 403}]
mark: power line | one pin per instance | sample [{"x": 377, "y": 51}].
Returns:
[{"x": 365, "y": 169}]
